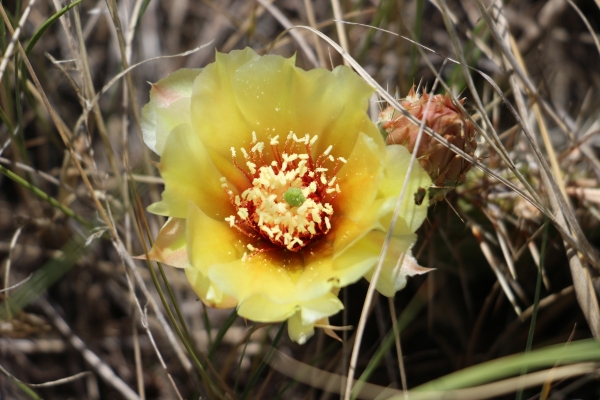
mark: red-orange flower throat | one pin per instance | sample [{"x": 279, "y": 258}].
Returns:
[{"x": 288, "y": 202}]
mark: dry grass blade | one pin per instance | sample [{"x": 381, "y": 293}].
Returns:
[
  {"x": 581, "y": 242},
  {"x": 485, "y": 249},
  {"x": 15, "y": 39},
  {"x": 324, "y": 380},
  {"x": 91, "y": 103},
  {"x": 288, "y": 25},
  {"x": 90, "y": 357},
  {"x": 63, "y": 135},
  {"x": 157, "y": 310},
  {"x": 60, "y": 381},
  {"x": 143, "y": 314},
  {"x": 586, "y": 294},
  {"x": 587, "y": 24},
  {"x": 339, "y": 26}
]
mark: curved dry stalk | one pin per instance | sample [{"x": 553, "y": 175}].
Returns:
[
  {"x": 575, "y": 241},
  {"x": 327, "y": 381},
  {"x": 373, "y": 284},
  {"x": 587, "y": 24}
]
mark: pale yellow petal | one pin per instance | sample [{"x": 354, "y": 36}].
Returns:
[
  {"x": 170, "y": 245},
  {"x": 398, "y": 263},
  {"x": 216, "y": 117},
  {"x": 323, "y": 273},
  {"x": 190, "y": 175},
  {"x": 298, "y": 331},
  {"x": 411, "y": 215},
  {"x": 211, "y": 241},
  {"x": 243, "y": 93},
  {"x": 275, "y": 97},
  {"x": 359, "y": 179},
  {"x": 258, "y": 308},
  {"x": 168, "y": 107},
  {"x": 263, "y": 274},
  {"x": 332, "y": 105},
  {"x": 207, "y": 291},
  {"x": 325, "y": 306},
  {"x": 301, "y": 325}
]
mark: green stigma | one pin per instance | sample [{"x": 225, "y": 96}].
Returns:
[{"x": 294, "y": 197}]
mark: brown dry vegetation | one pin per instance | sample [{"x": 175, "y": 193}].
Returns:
[{"x": 78, "y": 307}]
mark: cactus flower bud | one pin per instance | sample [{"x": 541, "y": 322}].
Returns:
[{"x": 446, "y": 169}]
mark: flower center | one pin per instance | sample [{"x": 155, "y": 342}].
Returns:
[{"x": 287, "y": 204}]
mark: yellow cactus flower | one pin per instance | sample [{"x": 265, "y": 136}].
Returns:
[{"x": 278, "y": 188}]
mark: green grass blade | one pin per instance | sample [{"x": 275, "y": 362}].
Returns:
[
  {"x": 221, "y": 334},
  {"x": 263, "y": 363},
  {"x": 42, "y": 279},
  {"x": 583, "y": 350},
  {"x": 239, "y": 366},
  {"x": 409, "y": 314},
  {"x": 38, "y": 34},
  {"x": 207, "y": 326},
  {"x": 42, "y": 195},
  {"x": 536, "y": 300}
]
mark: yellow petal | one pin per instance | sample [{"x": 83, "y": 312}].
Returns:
[
  {"x": 359, "y": 179},
  {"x": 313, "y": 310},
  {"x": 190, "y": 175},
  {"x": 168, "y": 107},
  {"x": 298, "y": 331},
  {"x": 243, "y": 93},
  {"x": 211, "y": 241},
  {"x": 263, "y": 274},
  {"x": 170, "y": 245},
  {"x": 326, "y": 110},
  {"x": 301, "y": 326},
  {"x": 258, "y": 308},
  {"x": 398, "y": 263},
  {"x": 322, "y": 273},
  {"x": 207, "y": 292},
  {"x": 411, "y": 215},
  {"x": 215, "y": 114}
]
